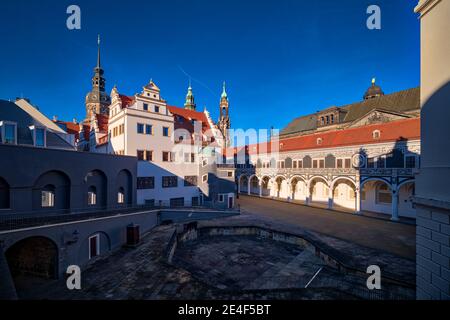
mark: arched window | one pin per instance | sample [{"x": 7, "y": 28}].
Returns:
[
  {"x": 92, "y": 196},
  {"x": 121, "y": 195},
  {"x": 319, "y": 141},
  {"x": 48, "y": 196},
  {"x": 383, "y": 194},
  {"x": 376, "y": 134}
]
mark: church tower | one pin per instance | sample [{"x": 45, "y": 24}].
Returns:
[
  {"x": 190, "y": 102},
  {"x": 224, "y": 119},
  {"x": 97, "y": 101}
]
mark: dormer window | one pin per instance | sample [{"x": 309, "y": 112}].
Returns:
[
  {"x": 319, "y": 141},
  {"x": 376, "y": 134},
  {"x": 8, "y": 132}
]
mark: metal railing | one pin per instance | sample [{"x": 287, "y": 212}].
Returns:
[{"x": 11, "y": 221}]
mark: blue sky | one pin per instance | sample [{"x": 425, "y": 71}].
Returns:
[{"x": 280, "y": 59}]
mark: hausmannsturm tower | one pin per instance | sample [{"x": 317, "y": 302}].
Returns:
[
  {"x": 97, "y": 100},
  {"x": 224, "y": 119}
]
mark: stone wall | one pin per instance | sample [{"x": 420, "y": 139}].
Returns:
[{"x": 433, "y": 253}]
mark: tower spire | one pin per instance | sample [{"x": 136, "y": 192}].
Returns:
[
  {"x": 190, "y": 101},
  {"x": 224, "y": 91},
  {"x": 98, "y": 52}
]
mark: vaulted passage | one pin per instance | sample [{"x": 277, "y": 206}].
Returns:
[{"x": 32, "y": 262}]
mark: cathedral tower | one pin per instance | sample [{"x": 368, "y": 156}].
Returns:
[
  {"x": 224, "y": 119},
  {"x": 97, "y": 100}
]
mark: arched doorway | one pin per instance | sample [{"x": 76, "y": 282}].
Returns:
[
  {"x": 281, "y": 188},
  {"x": 265, "y": 185},
  {"x": 254, "y": 185},
  {"x": 243, "y": 184},
  {"x": 318, "y": 188},
  {"x": 51, "y": 191},
  {"x": 344, "y": 193},
  {"x": 4, "y": 194},
  {"x": 376, "y": 196},
  {"x": 298, "y": 187},
  {"x": 32, "y": 262}
]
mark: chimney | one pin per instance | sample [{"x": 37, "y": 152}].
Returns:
[
  {"x": 55, "y": 118},
  {"x": 75, "y": 120}
]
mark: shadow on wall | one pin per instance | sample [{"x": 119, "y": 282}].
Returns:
[{"x": 435, "y": 129}]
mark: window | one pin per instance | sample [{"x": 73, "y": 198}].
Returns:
[
  {"x": 148, "y": 129},
  {"x": 370, "y": 162},
  {"x": 156, "y": 109},
  {"x": 205, "y": 178},
  {"x": 205, "y": 162},
  {"x": 177, "y": 202},
  {"x": 145, "y": 107},
  {"x": 376, "y": 134},
  {"x": 190, "y": 181},
  {"x": 189, "y": 157},
  {"x": 9, "y": 133},
  {"x": 165, "y": 131},
  {"x": 383, "y": 194},
  {"x": 39, "y": 137},
  {"x": 92, "y": 196},
  {"x": 319, "y": 141},
  {"x": 94, "y": 246},
  {"x": 145, "y": 155},
  {"x": 168, "y": 156},
  {"x": 410, "y": 161},
  {"x": 343, "y": 163},
  {"x": 280, "y": 164},
  {"x": 48, "y": 197},
  {"x": 140, "y": 128},
  {"x": 229, "y": 174},
  {"x": 145, "y": 183},
  {"x": 332, "y": 118},
  {"x": 169, "y": 182},
  {"x": 121, "y": 195},
  {"x": 221, "y": 198},
  {"x": 318, "y": 163},
  {"x": 381, "y": 162}
]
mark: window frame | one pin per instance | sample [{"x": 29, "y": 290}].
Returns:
[
  {"x": 97, "y": 246},
  {"x": 3, "y": 125}
]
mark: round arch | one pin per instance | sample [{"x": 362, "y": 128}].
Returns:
[
  {"x": 252, "y": 186},
  {"x": 4, "y": 194},
  {"x": 335, "y": 180},
  {"x": 375, "y": 179},
  {"x": 318, "y": 189},
  {"x": 401, "y": 184},
  {"x": 35, "y": 257},
  {"x": 51, "y": 191},
  {"x": 298, "y": 189},
  {"x": 96, "y": 180},
  {"x": 124, "y": 184}
]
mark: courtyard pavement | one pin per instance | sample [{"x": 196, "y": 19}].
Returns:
[{"x": 392, "y": 237}]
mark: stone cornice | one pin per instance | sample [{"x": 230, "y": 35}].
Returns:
[{"x": 424, "y": 6}]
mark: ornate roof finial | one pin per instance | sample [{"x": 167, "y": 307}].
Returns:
[
  {"x": 373, "y": 81},
  {"x": 224, "y": 91},
  {"x": 98, "y": 54}
]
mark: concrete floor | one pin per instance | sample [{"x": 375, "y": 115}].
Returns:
[{"x": 392, "y": 237}]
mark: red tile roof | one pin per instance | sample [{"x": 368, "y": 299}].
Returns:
[
  {"x": 407, "y": 129},
  {"x": 102, "y": 121},
  {"x": 70, "y": 127},
  {"x": 183, "y": 118},
  {"x": 126, "y": 100}
]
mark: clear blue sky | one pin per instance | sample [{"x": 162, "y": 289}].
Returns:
[{"x": 281, "y": 59}]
